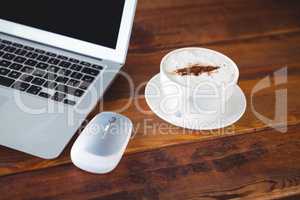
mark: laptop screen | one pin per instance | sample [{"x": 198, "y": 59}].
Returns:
[{"x": 94, "y": 21}]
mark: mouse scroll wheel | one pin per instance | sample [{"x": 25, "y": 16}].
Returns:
[{"x": 112, "y": 120}]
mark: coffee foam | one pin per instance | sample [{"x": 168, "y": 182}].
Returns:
[{"x": 225, "y": 74}]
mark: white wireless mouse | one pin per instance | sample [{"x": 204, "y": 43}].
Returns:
[{"x": 100, "y": 146}]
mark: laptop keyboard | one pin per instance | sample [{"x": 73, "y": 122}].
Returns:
[{"x": 37, "y": 72}]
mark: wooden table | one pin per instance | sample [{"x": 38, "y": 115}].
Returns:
[{"x": 248, "y": 160}]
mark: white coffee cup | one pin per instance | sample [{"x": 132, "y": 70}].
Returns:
[{"x": 204, "y": 96}]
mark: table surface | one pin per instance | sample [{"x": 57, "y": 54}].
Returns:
[{"x": 247, "y": 160}]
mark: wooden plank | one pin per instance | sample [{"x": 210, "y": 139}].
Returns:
[
  {"x": 261, "y": 36},
  {"x": 176, "y": 23},
  {"x": 260, "y": 165},
  {"x": 256, "y": 58}
]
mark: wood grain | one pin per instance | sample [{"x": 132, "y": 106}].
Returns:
[
  {"x": 275, "y": 52},
  {"x": 167, "y": 162},
  {"x": 176, "y": 23},
  {"x": 247, "y": 166},
  {"x": 256, "y": 58}
]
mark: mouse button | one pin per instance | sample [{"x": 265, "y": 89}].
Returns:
[
  {"x": 110, "y": 143},
  {"x": 107, "y": 134},
  {"x": 96, "y": 124},
  {"x": 87, "y": 160},
  {"x": 104, "y": 147}
]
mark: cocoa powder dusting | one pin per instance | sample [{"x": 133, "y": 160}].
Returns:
[{"x": 196, "y": 69}]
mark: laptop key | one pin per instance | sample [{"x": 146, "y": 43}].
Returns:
[
  {"x": 85, "y": 63},
  {"x": 88, "y": 79},
  {"x": 50, "y": 76},
  {"x": 65, "y": 89},
  {"x": 39, "y": 73},
  {"x": 7, "y": 82},
  {"x": 69, "y": 102},
  {"x": 53, "y": 61},
  {"x": 84, "y": 85},
  {"x": 69, "y": 90},
  {"x": 8, "y": 56},
  {"x": 50, "y": 54},
  {"x": 31, "y": 55},
  {"x": 6, "y": 42},
  {"x": 64, "y": 64},
  {"x": 26, "y": 77},
  {"x": 38, "y": 81},
  {"x": 10, "y": 49},
  {"x": 28, "y": 48},
  {"x": 2, "y": 46},
  {"x": 76, "y": 67},
  {"x": 4, "y": 63},
  {"x": 58, "y": 96},
  {"x": 27, "y": 69},
  {"x": 42, "y": 65},
  {"x": 62, "y": 79},
  {"x": 90, "y": 71},
  {"x": 78, "y": 93},
  {"x": 1, "y": 53},
  {"x": 42, "y": 58},
  {"x": 34, "y": 89},
  {"x": 73, "y": 60},
  {"x": 62, "y": 57},
  {"x": 15, "y": 66},
  {"x": 40, "y": 51},
  {"x": 97, "y": 67},
  {"x": 31, "y": 62},
  {"x": 4, "y": 71},
  {"x": 50, "y": 84},
  {"x": 17, "y": 45},
  {"x": 73, "y": 82},
  {"x": 22, "y": 86},
  {"x": 14, "y": 74},
  {"x": 21, "y": 52},
  {"x": 65, "y": 72},
  {"x": 53, "y": 69},
  {"x": 20, "y": 59},
  {"x": 44, "y": 95},
  {"x": 76, "y": 75}
]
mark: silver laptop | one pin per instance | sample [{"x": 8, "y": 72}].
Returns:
[{"x": 57, "y": 58}]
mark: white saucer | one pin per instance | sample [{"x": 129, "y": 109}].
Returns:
[{"x": 234, "y": 109}]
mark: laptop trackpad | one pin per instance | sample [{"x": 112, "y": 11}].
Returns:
[
  {"x": 3, "y": 100},
  {"x": 25, "y": 122}
]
